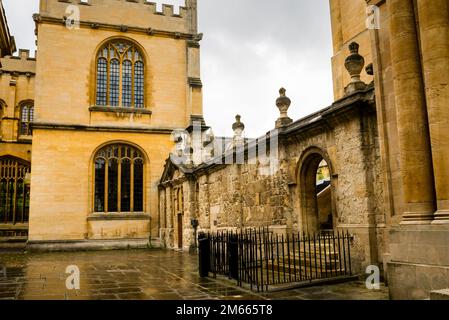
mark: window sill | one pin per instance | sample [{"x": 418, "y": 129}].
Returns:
[
  {"x": 25, "y": 138},
  {"x": 120, "y": 110},
  {"x": 118, "y": 216}
]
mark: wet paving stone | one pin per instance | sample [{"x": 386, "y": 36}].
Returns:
[{"x": 140, "y": 275}]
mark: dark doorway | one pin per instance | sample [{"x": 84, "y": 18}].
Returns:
[{"x": 316, "y": 194}]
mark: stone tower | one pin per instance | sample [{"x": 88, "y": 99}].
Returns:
[{"x": 114, "y": 79}]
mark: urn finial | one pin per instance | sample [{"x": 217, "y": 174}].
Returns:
[
  {"x": 238, "y": 128},
  {"x": 354, "y": 63},
  {"x": 283, "y": 103}
]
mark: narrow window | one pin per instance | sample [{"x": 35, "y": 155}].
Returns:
[
  {"x": 114, "y": 83},
  {"x": 127, "y": 83},
  {"x": 26, "y": 119},
  {"x": 102, "y": 81},
  {"x": 138, "y": 84}
]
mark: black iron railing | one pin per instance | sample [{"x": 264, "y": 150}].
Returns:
[{"x": 261, "y": 259}]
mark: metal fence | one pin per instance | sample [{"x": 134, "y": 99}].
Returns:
[{"x": 261, "y": 259}]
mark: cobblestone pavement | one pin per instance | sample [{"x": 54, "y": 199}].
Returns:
[{"x": 139, "y": 275}]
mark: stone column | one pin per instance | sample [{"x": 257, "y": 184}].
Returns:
[
  {"x": 434, "y": 32},
  {"x": 413, "y": 130}
]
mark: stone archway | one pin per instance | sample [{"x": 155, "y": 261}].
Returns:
[{"x": 316, "y": 192}]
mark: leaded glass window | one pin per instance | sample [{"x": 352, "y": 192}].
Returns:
[
  {"x": 114, "y": 83},
  {"x": 26, "y": 119},
  {"x": 127, "y": 83},
  {"x": 120, "y": 75},
  {"x": 102, "y": 81},
  {"x": 138, "y": 84},
  {"x": 119, "y": 171}
]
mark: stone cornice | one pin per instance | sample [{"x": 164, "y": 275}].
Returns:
[
  {"x": 120, "y": 110},
  {"x": 75, "y": 127},
  {"x": 18, "y": 73},
  {"x": 120, "y": 28},
  {"x": 20, "y": 141},
  {"x": 118, "y": 216}
]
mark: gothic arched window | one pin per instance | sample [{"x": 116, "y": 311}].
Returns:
[
  {"x": 119, "y": 170},
  {"x": 120, "y": 72},
  {"x": 26, "y": 119}
]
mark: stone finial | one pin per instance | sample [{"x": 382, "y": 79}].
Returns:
[
  {"x": 238, "y": 128},
  {"x": 354, "y": 63},
  {"x": 283, "y": 103},
  {"x": 238, "y": 125}
]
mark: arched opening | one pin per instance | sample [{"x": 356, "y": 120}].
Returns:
[
  {"x": 26, "y": 109},
  {"x": 119, "y": 179},
  {"x": 316, "y": 193},
  {"x": 324, "y": 197},
  {"x": 120, "y": 75},
  {"x": 14, "y": 190}
]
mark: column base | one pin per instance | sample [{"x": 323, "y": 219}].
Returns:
[
  {"x": 414, "y": 218},
  {"x": 441, "y": 217}
]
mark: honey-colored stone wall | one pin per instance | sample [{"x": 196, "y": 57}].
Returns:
[
  {"x": 62, "y": 183},
  {"x": 69, "y": 128},
  {"x": 17, "y": 80},
  {"x": 348, "y": 19},
  {"x": 165, "y": 79},
  {"x": 409, "y": 53}
]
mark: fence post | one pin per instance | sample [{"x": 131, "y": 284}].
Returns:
[
  {"x": 204, "y": 255},
  {"x": 233, "y": 257}
]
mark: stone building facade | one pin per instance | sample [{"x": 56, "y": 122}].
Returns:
[
  {"x": 104, "y": 103},
  {"x": 271, "y": 181},
  {"x": 87, "y": 126},
  {"x": 17, "y": 84},
  {"x": 410, "y": 54},
  {"x": 389, "y": 162}
]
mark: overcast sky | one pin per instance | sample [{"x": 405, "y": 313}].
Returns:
[{"x": 250, "y": 49}]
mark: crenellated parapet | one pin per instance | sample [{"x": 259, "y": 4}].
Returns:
[
  {"x": 123, "y": 15},
  {"x": 21, "y": 64}
]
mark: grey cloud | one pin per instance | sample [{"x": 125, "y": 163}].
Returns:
[{"x": 250, "y": 49}]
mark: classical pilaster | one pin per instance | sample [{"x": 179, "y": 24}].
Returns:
[
  {"x": 434, "y": 36},
  {"x": 413, "y": 130}
]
